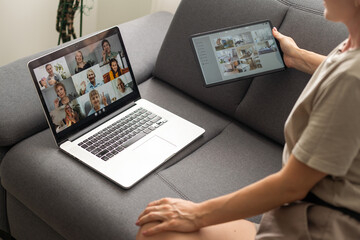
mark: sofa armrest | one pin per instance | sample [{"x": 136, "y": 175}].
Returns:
[{"x": 21, "y": 114}]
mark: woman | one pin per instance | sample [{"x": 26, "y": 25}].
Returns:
[
  {"x": 62, "y": 97},
  {"x": 80, "y": 63},
  {"x": 321, "y": 160},
  {"x": 121, "y": 87},
  {"x": 53, "y": 77},
  {"x": 115, "y": 69},
  {"x": 71, "y": 116},
  {"x": 95, "y": 101}
]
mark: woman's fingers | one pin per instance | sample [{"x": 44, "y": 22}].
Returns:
[
  {"x": 153, "y": 204},
  {"x": 169, "y": 215},
  {"x": 158, "y": 228},
  {"x": 154, "y": 213}
]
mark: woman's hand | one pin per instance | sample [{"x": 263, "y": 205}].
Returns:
[
  {"x": 104, "y": 100},
  {"x": 295, "y": 57},
  {"x": 52, "y": 82},
  {"x": 288, "y": 47},
  {"x": 172, "y": 215},
  {"x": 56, "y": 102}
]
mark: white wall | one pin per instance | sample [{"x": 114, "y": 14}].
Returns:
[
  {"x": 114, "y": 12},
  {"x": 28, "y": 26},
  {"x": 165, "y": 5}
]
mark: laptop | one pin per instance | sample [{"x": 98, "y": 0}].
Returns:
[{"x": 93, "y": 107}]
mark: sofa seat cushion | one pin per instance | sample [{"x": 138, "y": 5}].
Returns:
[
  {"x": 25, "y": 224},
  {"x": 71, "y": 198},
  {"x": 235, "y": 158}
]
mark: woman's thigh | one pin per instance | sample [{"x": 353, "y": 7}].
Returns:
[{"x": 236, "y": 230}]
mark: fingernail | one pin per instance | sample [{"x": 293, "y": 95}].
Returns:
[{"x": 274, "y": 28}]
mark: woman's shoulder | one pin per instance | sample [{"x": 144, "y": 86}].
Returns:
[
  {"x": 351, "y": 63},
  {"x": 343, "y": 64}
]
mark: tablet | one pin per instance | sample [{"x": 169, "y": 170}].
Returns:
[{"x": 235, "y": 53}]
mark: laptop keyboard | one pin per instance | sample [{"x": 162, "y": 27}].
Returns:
[{"x": 122, "y": 133}]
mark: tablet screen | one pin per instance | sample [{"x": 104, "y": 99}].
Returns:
[{"x": 236, "y": 53}]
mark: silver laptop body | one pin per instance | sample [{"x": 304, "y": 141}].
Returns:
[{"x": 95, "y": 112}]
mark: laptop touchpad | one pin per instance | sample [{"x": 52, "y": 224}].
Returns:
[{"x": 156, "y": 147}]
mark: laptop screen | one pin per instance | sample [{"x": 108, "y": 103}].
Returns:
[
  {"x": 235, "y": 53},
  {"x": 84, "y": 82}
]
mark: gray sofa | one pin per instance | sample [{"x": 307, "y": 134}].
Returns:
[{"x": 47, "y": 195}]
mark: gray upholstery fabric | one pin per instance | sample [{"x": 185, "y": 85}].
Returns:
[
  {"x": 143, "y": 39},
  {"x": 61, "y": 191},
  {"x": 24, "y": 116},
  {"x": 315, "y": 7},
  {"x": 232, "y": 160},
  {"x": 3, "y": 151},
  {"x": 3, "y": 216},
  {"x": 3, "y": 212},
  {"x": 269, "y": 101},
  {"x": 25, "y": 225},
  {"x": 21, "y": 112},
  {"x": 176, "y": 62}
]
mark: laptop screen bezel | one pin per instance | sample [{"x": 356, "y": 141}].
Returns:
[{"x": 133, "y": 96}]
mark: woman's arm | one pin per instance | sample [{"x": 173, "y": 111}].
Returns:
[
  {"x": 295, "y": 57},
  {"x": 291, "y": 183}
]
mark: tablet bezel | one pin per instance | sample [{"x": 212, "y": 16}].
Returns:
[{"x": 220, "y": 30}]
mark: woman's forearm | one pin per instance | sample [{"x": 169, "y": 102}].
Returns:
[
  {"x": 291, "y": 183},
  {"x": 308, "y": 61},
  {"x": 252, "y": 200},
  {"x": 295, "y": 57}
]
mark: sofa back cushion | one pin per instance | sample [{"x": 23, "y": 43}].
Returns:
[
  {"x": 262, "y": 103},
  {"x": 21, "y": 113}
]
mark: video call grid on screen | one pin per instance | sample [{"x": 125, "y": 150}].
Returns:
[
  {"x": 236, "y": 53},
  {"x": 87, "y": 89}
]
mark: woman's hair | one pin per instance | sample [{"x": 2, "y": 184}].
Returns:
[
  {"x": 59, "y": 84},
  {"x": 121, "y": 81},
  {"x": 82, "y": 56},
  {"x": 90, "y": 70},
  {"x": 118, "y": 67},
  {"x": 104, "y": 41},
  {"x": 48, "y": 65},
  {"x": 67, "y": 106}
]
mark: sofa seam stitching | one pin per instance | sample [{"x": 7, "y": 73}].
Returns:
[
  {"x": 300, "y": 7},
  {"x": 172, "y": 186},
  {"x": 285, "y": 15},
  {"x": 252, "y": 80}
]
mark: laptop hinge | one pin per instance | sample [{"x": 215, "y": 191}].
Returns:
[{"x": 98, "y": 123}]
